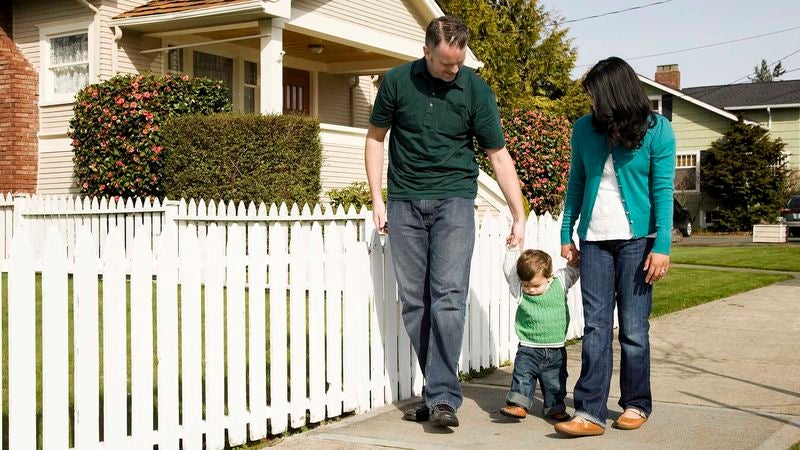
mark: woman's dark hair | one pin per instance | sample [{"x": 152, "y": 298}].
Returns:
[{"x": 621, "y": 109}]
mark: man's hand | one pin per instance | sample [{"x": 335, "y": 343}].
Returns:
[
  {"x": 656, "y": 267},
  {"x": 379, "y": 216},
  {"x": 517, "y": 236}
]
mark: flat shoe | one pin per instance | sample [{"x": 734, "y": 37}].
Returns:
[
  {"x": 578, "y": 427},
  {"x": 444, "y": 416},
  {"x": 629, "y": 423},
  {"x": 517, "y": 412}
]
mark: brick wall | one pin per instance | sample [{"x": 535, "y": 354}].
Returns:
[{"x": 19, "y": 112}]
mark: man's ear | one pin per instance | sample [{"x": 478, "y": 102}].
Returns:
[{"x": 426, "y": 51}]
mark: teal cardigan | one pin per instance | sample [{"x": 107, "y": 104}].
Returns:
[{"x": 645, "y": 175}]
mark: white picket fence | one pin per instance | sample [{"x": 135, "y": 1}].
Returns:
[{"x": 264, "y": 321}]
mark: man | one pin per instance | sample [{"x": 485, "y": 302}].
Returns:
[{"x": 435, "y": 107}]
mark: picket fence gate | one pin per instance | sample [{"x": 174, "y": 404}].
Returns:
[{"x": 244, "y": 327}]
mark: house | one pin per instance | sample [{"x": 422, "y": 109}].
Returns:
[
  {"x": 323, "y": 58},
  {"x": 701, "y": 115}
]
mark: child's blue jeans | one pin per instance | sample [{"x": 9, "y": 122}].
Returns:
[{"x": 549, "y": 366}]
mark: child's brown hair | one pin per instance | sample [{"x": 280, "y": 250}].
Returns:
[{"x": 532, "y": 262}]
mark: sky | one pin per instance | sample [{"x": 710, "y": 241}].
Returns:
[{"x": 681, "y": 24}]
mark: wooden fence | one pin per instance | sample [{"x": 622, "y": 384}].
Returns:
[{"x": 241, "y": 323}]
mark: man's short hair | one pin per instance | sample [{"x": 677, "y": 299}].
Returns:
[{"x": 448, "y": 29}]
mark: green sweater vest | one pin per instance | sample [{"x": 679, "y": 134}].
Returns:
[{"x": 542, "y": 320}]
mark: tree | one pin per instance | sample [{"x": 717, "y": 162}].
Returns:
[
  {"x": 527, "y": 55},
  {"x": 745, "y": 171},
  {"x": 763, "y": 73}
]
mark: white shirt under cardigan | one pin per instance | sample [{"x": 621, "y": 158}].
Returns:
[{"x": 609, "y": 221}]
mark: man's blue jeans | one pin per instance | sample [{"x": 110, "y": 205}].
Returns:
[
  {"x": 612, "y": 274},
  {"x": 431, "y": 245},
  {"x": 549, "y": 366}
]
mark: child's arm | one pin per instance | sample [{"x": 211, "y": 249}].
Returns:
[
  {"x": 510, "y": 270},
  {"x": 569, "y": 274}
]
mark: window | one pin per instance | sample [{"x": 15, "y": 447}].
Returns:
[
  {"x": 250, "y": 86},
  {"x": 687, "y": 172},
  {"x": 216, "y": 68},
  {"x": 655, "y": 103},
  {"x": 67, "y": 66},
  {"x": 175, "y": 61}
]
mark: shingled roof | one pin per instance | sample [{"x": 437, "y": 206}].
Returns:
[
  {"x": 154, "y": 7},
  {"x": 748, "y": 94}
]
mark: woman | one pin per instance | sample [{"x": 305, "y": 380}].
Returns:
[{"x": 620, "y": 185}]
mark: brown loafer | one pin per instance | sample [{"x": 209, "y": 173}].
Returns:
[
  {"x": 579, "y": 427},
  {"x": 517, "y": 412},
  {"x": 629, "y": 423}
]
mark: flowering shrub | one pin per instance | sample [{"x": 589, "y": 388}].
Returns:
[
  {"x": 356, "y": 194},
  {"x": 115, "y": 130},
  {"x": 539, "y": 145}
]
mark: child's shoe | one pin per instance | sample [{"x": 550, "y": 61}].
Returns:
[{"x": 517, "y": 412}]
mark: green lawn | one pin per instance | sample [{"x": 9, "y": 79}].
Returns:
[
  {"x": 684, "y": 288},
  {"x": 772, "y": 257}
]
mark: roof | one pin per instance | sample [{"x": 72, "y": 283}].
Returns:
[
  {"x": 172, "y": 6},
  {"x": 688, "y": 98},
  {"x": 741, "y": 96}
]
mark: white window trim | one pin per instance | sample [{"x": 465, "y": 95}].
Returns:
[
  {"x": 696, "y": 169},
  {"x": 658, "y": 99},
  {"x": 52, "y": 30}
]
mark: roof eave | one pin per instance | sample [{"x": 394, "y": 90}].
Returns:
[
  {"x": 776, "y": 106},
  {"x": 267, "y": 7},
  {"x": 687, "y": 98}
]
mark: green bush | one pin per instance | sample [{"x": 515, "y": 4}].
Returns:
[
  {"x": 243, "y": 157},
  {"x": 539, "y": 145},
  {"x": 745, "y": 172},
  {"x": 116, "y": 129},
  {"x": 356, "y": 194}
]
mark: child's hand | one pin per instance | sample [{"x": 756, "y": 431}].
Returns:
[{"x": 575, "y": 261}]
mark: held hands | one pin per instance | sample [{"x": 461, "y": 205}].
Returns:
[
  {"x": 517, "y": 236},
  {"x": 655, "y": 267},
  {"x": 571, "y": 254}
]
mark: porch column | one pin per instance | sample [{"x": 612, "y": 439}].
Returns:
[{"x": 271, "y": 66}]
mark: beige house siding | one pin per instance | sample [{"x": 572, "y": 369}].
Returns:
[
  {"x": 55, "y": 173},
  {"x": 394, "y": 17},
  {"x": 129, "y": 60},
  {"x": 363, "y": 99},
  {"x": 334, "y": 99}
]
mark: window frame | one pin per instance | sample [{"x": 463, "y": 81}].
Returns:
[
  {"x": 658, "y": 99},
  {"x": 696, "y": 154},
  {"x": 47, "y": 32}
]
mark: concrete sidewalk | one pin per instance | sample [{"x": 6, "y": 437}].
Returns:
[{"x": 725, "y": 374}]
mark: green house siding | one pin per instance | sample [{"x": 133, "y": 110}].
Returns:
[{"x": 785, "y": 125}]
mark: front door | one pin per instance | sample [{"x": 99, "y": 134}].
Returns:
[{"x": 296, "y": 91}]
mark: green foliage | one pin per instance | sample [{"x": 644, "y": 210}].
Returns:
[
  {"x": 243, "y": 157},
  {"x": 763, "y": 72},
  {"x": 539, "y": 145},
  {"x": 527, "y": 55},
  {"x": 116, "y": 133},
  {"x": 745, "y": 171},
  {"x": 356, "y": 194}
]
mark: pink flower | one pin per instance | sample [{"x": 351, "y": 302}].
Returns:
[
  {"x": 120, "y": 100},
  {"x": 146, "y": 95},
  {"x": 185, "y": 77},
  {"x": 157, "y": 149},
  {"x": 133, "y": 104},
  {"x": 102, "y": 187},
  {"x": 119, "y": 164},
  {"x": 86, "y": 185},
  {"x": 114, "y": 118}
]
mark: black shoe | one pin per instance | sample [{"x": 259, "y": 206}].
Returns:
[
  {"x": 444, "y": 416},
  {"x": 419, "y": 413}
]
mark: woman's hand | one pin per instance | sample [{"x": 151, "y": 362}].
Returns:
[
  {"x": 570, "y": 252},
  {"x": 656, "y": 267}
]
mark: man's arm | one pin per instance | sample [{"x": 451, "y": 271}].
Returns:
[
  {"x": 373, "y": 160},
  {"x": 506, "y": 174}
]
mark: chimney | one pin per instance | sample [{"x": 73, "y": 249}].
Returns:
[{"x": 669, "y": 75}]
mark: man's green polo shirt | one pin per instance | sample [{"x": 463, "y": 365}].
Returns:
[{"x": 431, "y": 152}]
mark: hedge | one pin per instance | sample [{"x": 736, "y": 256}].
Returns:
[
  {"x": 116, "y": 129},
  {"x": 243, "y": 157}
]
